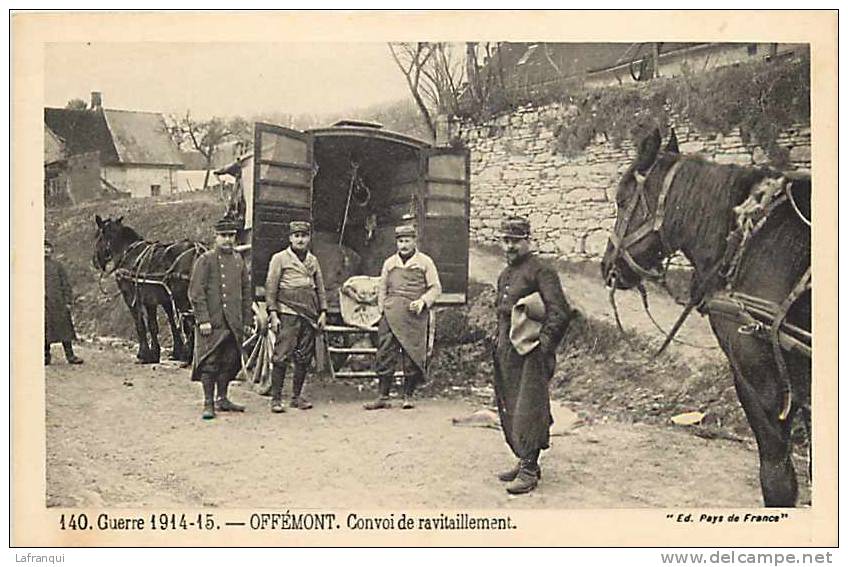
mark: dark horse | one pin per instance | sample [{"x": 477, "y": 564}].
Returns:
[
  {"x": 149, "y": 274},
  {"x": 668, "y": 202}
]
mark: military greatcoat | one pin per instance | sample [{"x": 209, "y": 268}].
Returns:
[
  {"x": 219, "y": 292},
  {"x": 58, "y": 295},
  {"x": 521, "y": 382}
]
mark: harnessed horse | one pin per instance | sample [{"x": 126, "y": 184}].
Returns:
[
  {"x": 744, "y": 231},
  {"x": 150, "y": 274}
]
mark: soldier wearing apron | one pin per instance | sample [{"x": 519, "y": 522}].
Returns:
[
  {"x": 219, "y": 291},
  {"x": 297, "y": 307},
  {"x": 523, "y": 371},
  {"x": 409, "y": 285}
]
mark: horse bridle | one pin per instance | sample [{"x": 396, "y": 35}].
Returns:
[
  {"x": 622, "y": 241},
  {"x": 108, "y": 246}
]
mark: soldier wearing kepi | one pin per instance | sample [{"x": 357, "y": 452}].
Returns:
[
  {"x": 297, "y": 307},
  {"x": 533, "y": 315},
  {"x": 219, "y": 292},
  {"x": 58, "y": 299},
  {"x": 409, "y": 285}
]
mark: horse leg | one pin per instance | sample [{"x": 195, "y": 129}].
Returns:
[
  {"x": 808, "y": 430},
  {"x": 178, "y": 351},
  {"x": 153, "y": 327},
  {"x": 756, "y": 382},
  {"x": 140, "y": 330},
  {"x": 188, "y": 329}
]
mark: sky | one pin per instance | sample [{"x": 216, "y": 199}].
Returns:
[{"x": 224, "y": 79}]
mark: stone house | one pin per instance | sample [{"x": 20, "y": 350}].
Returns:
[{"x": 100, "y": 153}]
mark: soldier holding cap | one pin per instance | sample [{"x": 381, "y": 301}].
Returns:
[
  {"x": 297, "y": 307},
  {"x": 219, "y": 291},
  {"x": 409, "y": 284},
  {"x": 521, "y": 378},
  {"x": 58, "y": 299}
]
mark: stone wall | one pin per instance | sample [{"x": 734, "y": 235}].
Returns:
[{"x": 570, "y": 201}]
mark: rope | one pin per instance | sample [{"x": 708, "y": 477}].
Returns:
[{"x": 644, "y": 293}]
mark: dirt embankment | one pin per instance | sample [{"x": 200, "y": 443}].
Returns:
[{"x": 99, "y": 310}]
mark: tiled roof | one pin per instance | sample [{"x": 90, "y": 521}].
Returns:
[{"x": 142, "y": 138}]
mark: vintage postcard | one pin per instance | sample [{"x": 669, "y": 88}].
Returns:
[{"x": 424, "y": 279}]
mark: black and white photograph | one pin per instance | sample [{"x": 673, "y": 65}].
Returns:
[{"x": 305, "y": 288}]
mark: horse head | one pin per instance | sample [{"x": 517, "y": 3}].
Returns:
[
  {"x": 635, "y": 248},
  {"x": 110, "y": 240}
]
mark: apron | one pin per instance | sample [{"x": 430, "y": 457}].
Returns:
[
  {"x": 304, "y": 302},
  {"x": 404, "y": 285}
]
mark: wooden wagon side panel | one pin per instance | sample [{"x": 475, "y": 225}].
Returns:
[
  {"x": 444, "y": 219},
  {"x": 282, "y": 191}
]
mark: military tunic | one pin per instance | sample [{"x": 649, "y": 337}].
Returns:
[
  {"x": 219, "y": 292},
  {"x": 295, "y": 290},
  {"x": 521, "y": 382}
]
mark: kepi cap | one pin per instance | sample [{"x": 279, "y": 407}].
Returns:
[
  {"x": 299, "y": 226},
  {"x": 404, "y": 230},
  {"x": 515, "y": 227},
  {"x": 226, "y": 225}
]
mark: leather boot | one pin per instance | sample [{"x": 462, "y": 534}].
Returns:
[
  {"x": 511, "y": 474},
  {"x": 278, "y": 376},
  {"x": 527, "y": 479},
  {"x": 208, "y": 396},
  {"x": 69, "y": 353},
  {"x": 409, "y": 383},
  {"x": 379, "y": 403},
  {"x": 298, "y": 378},
  {"x": 224, "y": 403}
]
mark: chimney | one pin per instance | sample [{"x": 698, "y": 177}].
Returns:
[{"x": 96, "y": 100}]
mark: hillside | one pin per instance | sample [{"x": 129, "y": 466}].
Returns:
[{"x": 98, "y": 310}]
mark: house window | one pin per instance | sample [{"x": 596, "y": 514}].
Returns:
[
  {"x": 155, "y": 190},
  {"x": 752, "y": 49}
]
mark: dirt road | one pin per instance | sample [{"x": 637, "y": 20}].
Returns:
[{"x": 124, "y": 435}]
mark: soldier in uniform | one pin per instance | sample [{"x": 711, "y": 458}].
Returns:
[
  {"x": 409, "y": 284},
  {"x": 219, "y": 292},
  {"x": 58, "y": 299},
  {"x": 297, "y": 307},
  {"x": 521, "y": 379}
]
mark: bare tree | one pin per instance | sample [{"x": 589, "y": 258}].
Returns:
[
  {"x": 435, "y": 75},
  {"x": 485, "y": 76},
  {"x": 410, "y": 59},
  {"x": 205, "y": 136}
]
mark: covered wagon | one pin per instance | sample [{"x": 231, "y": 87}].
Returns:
[{"x": 355, "y": 182}]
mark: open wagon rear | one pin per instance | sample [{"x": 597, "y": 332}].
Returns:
[{"x": 356, "y": 182}]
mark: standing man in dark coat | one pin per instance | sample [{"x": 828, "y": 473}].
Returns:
[
  {"x": 219, "y": 292},
  {"x": 409, "y": 285},
  {"x": 525, "y": 360},
  {"x": 297, "y": 309},
  {"x": 58, "y": 299}
]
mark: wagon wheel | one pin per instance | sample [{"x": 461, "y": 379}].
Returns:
[
  {"x": 258, "y": 365},
  {"x": 261, "y": 347}
]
